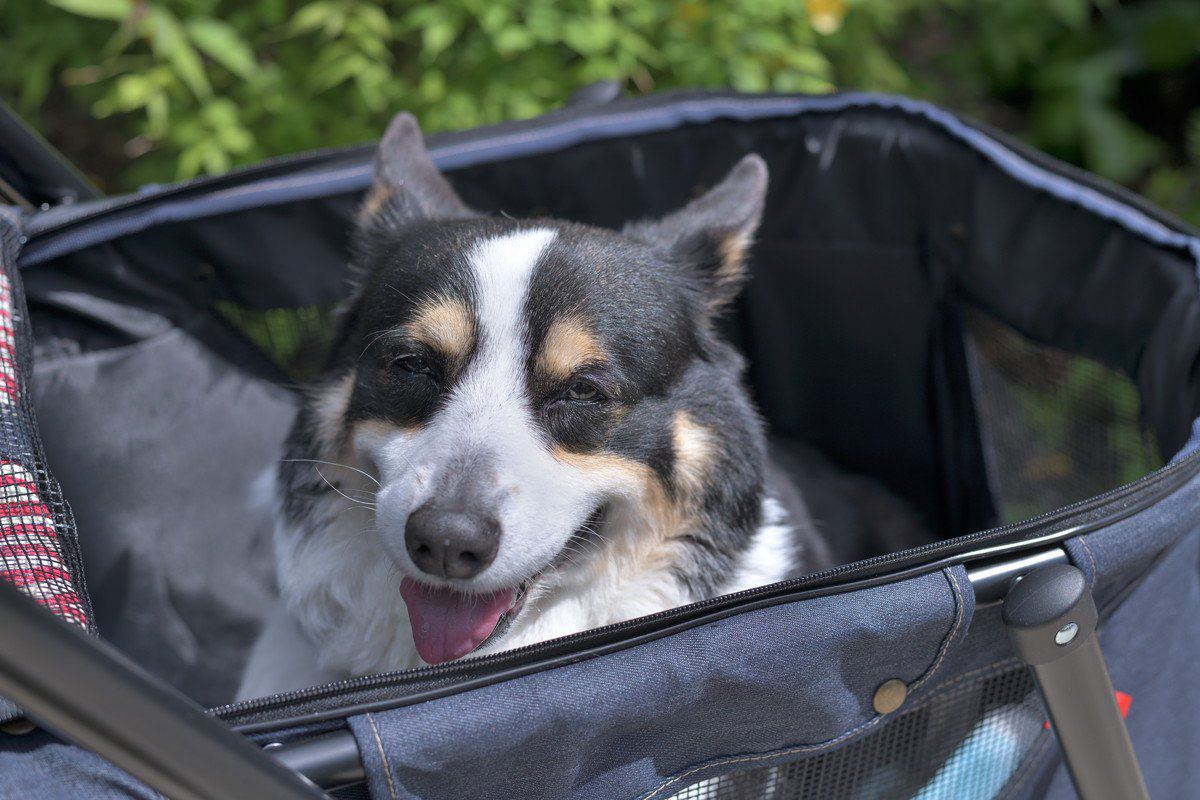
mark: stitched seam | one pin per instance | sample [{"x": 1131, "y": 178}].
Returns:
[
  {"x": 387, "y": 767},
  {"x": 959, "y": 613},
  {"x": 1087, "y": 549}
]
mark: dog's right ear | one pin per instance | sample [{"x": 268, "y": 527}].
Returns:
[
  {"x": 407, "y": 187},
  {"x": 712, "y": 234}
]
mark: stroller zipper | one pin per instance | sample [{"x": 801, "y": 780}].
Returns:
[{"x": 1050, "y": 527}]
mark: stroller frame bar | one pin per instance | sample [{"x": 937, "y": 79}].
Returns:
[
  {"x": 1051, "y": 619},
  {"x": 83, "y": 689}
]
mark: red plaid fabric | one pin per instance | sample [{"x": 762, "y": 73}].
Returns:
[
  {"x": 8, "y": 347},
  {"x": 31, "y": 555}
]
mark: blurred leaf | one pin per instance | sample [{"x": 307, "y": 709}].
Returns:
[
  {"x": 169, "y": 42},
  {"x": 220, "y": 42},
  {"x": 96, "y": 9},
  {"x": 826, "y": 15},
  {"x": 1115, "y": 147},
  {"x": 1074, "y": 13},
  {"x": 318, "y": 16}
]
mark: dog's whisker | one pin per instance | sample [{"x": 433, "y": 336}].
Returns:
[
  {"x": 407, "y": 460},
  {"x": 571, "y": 551},
  {"x": 341, "y": 512},
  {"x": 571, "y": 561},
  {"x": 364, "y": 473},
  {"x": 359, "y": 502},
  {"x": 595, "y": 539},
  {"x": 584, "y": 546},
  {"x": 375, "y": 337},
  {"x": 365, "y": 496},
  {"x": 403, "y": 294},
  {"x": 343, "y": 494}
]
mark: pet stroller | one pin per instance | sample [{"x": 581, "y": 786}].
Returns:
[{"x": 1010, "y": 344}]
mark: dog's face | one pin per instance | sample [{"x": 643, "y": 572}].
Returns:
[{"x": 508, "y": 383}]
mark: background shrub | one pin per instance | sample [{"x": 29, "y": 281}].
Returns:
[{"x": 139, "y": 91}]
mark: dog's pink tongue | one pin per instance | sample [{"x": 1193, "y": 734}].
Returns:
[{"x": 447, "y": 624}]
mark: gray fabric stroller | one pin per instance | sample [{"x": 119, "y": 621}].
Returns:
[{"x": 1010, "y": 344}]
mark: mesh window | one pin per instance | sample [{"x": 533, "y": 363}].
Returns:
[
  {"x": 296, "y": 340},
  {"x": 1057, "y": 427},
  {"x": 968, "y": 743}
]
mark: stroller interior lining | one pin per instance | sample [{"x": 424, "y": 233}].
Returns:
[{"x": 987, "y": 349}]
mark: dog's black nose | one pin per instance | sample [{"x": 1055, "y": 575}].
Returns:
[{"x": 451, "y": 543}]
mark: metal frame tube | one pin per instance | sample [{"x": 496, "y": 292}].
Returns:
[
  {"x": 1051, "y": 619},
  {"x": 87, "y": 692},
  {"x": 54, "y": 179},
  {"x": 330, "y": 760}
]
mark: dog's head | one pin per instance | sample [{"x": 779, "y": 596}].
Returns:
[{"x": 508, "y": 383}]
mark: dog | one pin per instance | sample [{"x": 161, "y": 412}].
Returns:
[{"x": 527, "y": 428}]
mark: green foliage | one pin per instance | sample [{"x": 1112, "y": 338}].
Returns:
[
  {"x": 200, "y": 85},
  {"x": 1106, "y": 86},
  {"x": 155, "y": 90}
]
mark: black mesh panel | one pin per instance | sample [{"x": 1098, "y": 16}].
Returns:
[
  {"x": 296, "y": 340},
  {"x": 1058, "y": 427},
  {"x": 966, "y": 743}
]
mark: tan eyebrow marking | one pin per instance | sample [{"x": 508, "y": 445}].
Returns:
[
  {"x": 444, "y": 324},
  {"x": 569, "y": 344}
]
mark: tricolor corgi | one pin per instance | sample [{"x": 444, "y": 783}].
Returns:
[{"x": 527, "y": 428}]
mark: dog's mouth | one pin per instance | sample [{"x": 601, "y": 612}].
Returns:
[{"x": 449, "y": 624}]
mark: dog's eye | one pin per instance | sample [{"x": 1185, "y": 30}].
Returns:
[
  {"x": 582, "y": 392},
  {"x": 414, "y": 364}
]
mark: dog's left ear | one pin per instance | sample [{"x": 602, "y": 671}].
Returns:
[
  {"x": 408, "y": 187},
  {"x": 713, "y": 233}
]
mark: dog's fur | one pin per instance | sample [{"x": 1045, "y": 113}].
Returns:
[{"x": 650, "y": 493}]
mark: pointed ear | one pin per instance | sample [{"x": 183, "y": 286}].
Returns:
[
  {"x": 713, "y": 233},
  {"x": 407, "y": 187}
]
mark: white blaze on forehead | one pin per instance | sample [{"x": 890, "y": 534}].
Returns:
[
  {"x": 539, "y": 502},
  {"x": 489, "y": 410},
  {"x": 503, "y": 267},
  {"x": 490, "y": 399}
]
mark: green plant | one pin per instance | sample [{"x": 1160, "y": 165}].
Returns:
[
  {"x": 1106, "y": 86},
  {"x": 200, "y": 85},
  {"x": 155, "y": 90}
]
